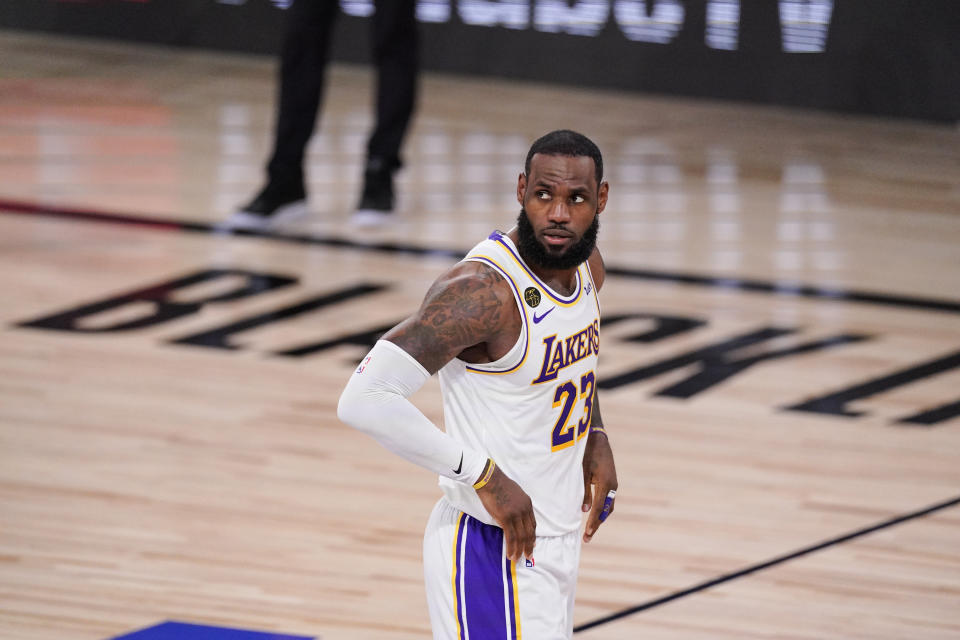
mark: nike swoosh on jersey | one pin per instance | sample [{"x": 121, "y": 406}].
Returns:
[
  {"x": 537, "y": 319},
  {"x": 459, "y": 466}
]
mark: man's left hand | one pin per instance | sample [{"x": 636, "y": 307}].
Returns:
[{"x": 599, "y": 480}]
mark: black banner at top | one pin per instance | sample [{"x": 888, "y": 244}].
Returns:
[{"x": 894, "y": 58}]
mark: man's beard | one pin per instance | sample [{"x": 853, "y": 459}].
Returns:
[{"x": 535, "y": 253}]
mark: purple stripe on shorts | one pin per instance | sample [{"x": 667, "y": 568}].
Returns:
[
  {"x": 510, "y": 599},
  {"x": 483, "y": 581},
  {"x": 458, "y": 596}
]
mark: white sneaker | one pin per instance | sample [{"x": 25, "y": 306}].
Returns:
[
  {"x": 371, "y": 217},
  {"x": 279, "y": 217}
]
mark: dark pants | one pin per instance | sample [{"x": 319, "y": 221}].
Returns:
[{"x": 304, "y": 56}]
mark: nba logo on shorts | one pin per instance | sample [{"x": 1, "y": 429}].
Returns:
[{"x": 529, "y": 562}]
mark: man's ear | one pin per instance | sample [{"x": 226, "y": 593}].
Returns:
[
  {"x": 521, "y": 187},
  {"x": 602, "y": 196}
]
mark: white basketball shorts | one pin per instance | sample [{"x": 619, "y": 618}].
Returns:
[{"x": 475, "y": 593}]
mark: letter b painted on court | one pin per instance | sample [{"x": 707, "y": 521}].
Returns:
[{"x": 161, "y": 302}]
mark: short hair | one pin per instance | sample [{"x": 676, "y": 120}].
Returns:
[{"x": 564, "y": 142}]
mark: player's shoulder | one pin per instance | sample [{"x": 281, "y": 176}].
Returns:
[
  {"x": 493, "y": 248},
  {"x": 467, "y": 281},
  {"x": 597, "y": 268}
]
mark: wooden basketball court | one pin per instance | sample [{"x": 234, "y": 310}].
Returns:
[{"x": 780, "y": 367}]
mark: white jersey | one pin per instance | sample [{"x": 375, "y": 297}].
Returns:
[{"x": 530, "y": 410}]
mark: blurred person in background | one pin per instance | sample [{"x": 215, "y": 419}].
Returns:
[{"x": 304, "y": 57}]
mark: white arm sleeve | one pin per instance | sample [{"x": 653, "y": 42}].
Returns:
[{"x": 375, "y": 402}]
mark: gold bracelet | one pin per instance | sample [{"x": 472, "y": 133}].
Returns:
[
  {"x": 597, "y": 427},
  {"x": 487, "y": 474}
]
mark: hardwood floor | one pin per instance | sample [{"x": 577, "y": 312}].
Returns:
[{"x": 780, "y": 361}]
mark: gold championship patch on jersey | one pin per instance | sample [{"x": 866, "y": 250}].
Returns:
[{"x": 532, "y": 296}]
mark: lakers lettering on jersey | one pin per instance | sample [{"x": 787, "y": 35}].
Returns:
[
  {"x": 559, "y": 354},
  {"x": 530, "y": 410}
]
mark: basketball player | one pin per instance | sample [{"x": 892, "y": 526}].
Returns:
[{"x": 513, "y": 331}]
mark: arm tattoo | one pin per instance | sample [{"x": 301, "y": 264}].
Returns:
[{"x": 463, "y": 308}]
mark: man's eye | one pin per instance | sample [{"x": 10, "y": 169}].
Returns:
[
  {"x": 543, "y": 195},
  {"x": 578, "y": 199}
]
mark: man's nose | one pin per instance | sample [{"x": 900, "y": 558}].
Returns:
[{"x": 559, "y": 212}]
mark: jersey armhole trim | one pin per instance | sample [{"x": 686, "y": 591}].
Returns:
[
  {"x": 593, "y": 285},
  {"x": 524, "y": 329}
]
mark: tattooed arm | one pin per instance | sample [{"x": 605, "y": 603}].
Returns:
[
  {"x": 463, "y": 312},
  {"x": 470, "y": 313}
]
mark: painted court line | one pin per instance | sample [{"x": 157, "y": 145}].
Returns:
[
  {"x": 703, "y": 586},
  {"x": 740, "y": 284}
]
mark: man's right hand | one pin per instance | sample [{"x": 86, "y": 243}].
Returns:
[{"x": 511, "y": 507}]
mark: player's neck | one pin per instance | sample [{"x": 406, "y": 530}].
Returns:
[{"x": 562, "y": 281}]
